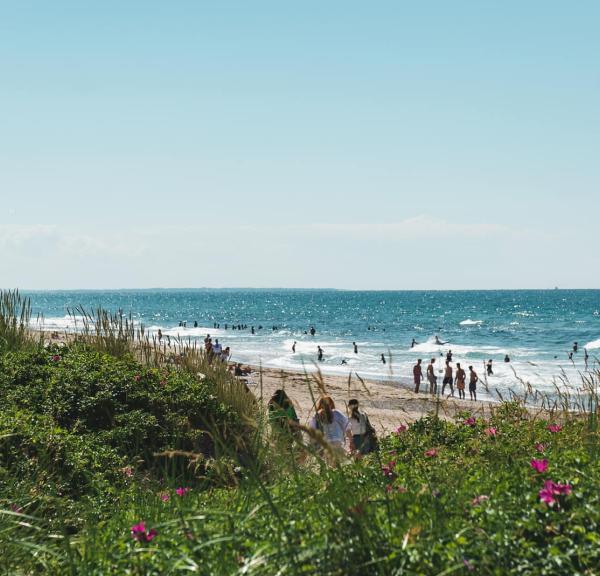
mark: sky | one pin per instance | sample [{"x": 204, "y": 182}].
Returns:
[{"x": 360, "y": 145}]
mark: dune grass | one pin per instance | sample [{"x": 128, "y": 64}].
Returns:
[{"x": 122, "y": 456}]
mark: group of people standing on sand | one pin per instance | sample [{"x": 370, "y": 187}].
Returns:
[
  {"x": 451, "y": 378},
  {"x": 341, "y": 432}
]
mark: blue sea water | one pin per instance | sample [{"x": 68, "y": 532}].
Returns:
[{"x": 536, "y": 328}]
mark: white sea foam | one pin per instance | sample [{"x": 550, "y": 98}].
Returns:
[
  {"x": 469, "y": 322},
  {"x": 593, "y": 345},
  {"x": 66, "y": 322}
]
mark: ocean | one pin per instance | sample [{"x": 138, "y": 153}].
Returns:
[{"x": 535, "y": 328}]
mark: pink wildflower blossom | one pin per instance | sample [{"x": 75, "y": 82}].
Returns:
[
  {"x": 164, "y": 496},
  {"x": 139, "y": 533},
  {"x": 431, "y": 453},
  {"x": 388, "y": 469},
  {"x": 554, "y": 428},
  {"x": 551, "y": 490},
  {"x": 539, "y": 465},
  {"x": 471, "y": 421},
  {"x": 401, "y": 428},
  {"x": 55, "y": 358},
  {"x": 540, "y": 447},
  {"x": 137, "y": 377},
  {"x": 491, "y": 431},
  {"x": 127, "y": 471},
  {"x": 479, "y": 499},
  {"x": 182, "y": 491}
]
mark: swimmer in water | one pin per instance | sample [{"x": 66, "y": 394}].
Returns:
[
  {"x": 383, "y": 358},
  {"x": 294, "y": 347},
  {"x": 355, "y": 347},
  {"x": 343, "y": 361},
  {"x": 414, "y": 343},
  {"x": 490, "y": 372},
  {"x": 320, "y": 354},
  {"x": 439, "y": 342}
]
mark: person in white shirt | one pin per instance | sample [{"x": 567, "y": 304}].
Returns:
[
  {"x": 360, "y": 428},
  {"x": 332, "y": 424}
]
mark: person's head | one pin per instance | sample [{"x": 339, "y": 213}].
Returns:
[
  {"x": 419, "y": 360},
  {"x": 325, "y": 406},
  {"x": 432, "y": 360},
  {"x": 216, "y": 340},
  {"x": 353, "y": 406},
  {"x": 279, "y": 398},
  {"x": 458, "y": 365},
  {"x": 471, "y": 368}
]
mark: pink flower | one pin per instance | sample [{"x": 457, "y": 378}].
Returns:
[
  {"x": 137, "y": 377},
  {"x": 479, "y": 499},
  {"x": 401, "y": 428},
  {"x": 491, "y": 431},
  {"x": 138, "y": 531},
  {"x": 151, "y": 535},
  {"x": 55, "y": 358},
  {"x": 164, "y": 496},
  {"x": 554, "y": 428},
  {"x": 540, "y": 447},
  {"x": 431, "y": 453},
  {"x": 182, "y": 491},
  {"x": 471, "y": 421},
  {"x": 127, "y": 471},
  {"x": 539, "y": 465},
  {"x": 551, "y": 490},
  {"x": 389, "y": 488},
  {"x": 388, "y": 469}
]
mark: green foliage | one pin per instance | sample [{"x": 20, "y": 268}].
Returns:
[{"x": 79, "y": 438}]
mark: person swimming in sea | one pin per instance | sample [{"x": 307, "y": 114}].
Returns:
[
  {"x": 355, "y": 347},
  {"x": 490, "y": 372},
  {"x": 439, "y": 342},
  {"x": 383, "y": 358},
  {"x": 414, "y": 343},
  {"x": 507, "y": 358}
]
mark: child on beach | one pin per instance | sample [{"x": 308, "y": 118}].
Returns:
[
  {"x": 460, "y": 381},
  {"x": 473, "y": 383}
]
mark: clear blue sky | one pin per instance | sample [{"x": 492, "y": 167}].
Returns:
[{"x": 387, "y": 145}]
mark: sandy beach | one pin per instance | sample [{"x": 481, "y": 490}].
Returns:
[{"x": 387, "y": 404}]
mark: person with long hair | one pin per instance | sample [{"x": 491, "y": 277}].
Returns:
[
  {"x": 363, "y": 440},
  {"x": 282, "y": 413},
  {"x": 331, "y": 423}
]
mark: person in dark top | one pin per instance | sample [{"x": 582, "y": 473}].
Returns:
[
  {"x": 449, "y": 356},
  {"x": 575, "y": 347},
  {"x": 383, "y": 358},
  {"x": 320, "y": 354},
  {"x": 507, "y": 358},
  {"x": 294, "y": 347},
  {"x": 312, "y": 331},
  {"x": 490, "y": 372},
  {"x": 417, "y": 375},
  {"x": 414, "y": 343},
  {"x": 355, "y": 347}
]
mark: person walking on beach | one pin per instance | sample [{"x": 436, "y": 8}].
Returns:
[
  {"x": 383, "y": 358},
  {"x": 159, "y": 334},
  {"x": 448, "y": 381},
  {"x": 320, "y": 354},
  {"x": 431, "y": 377},
  {"x": 417, "y": 375},
  {"x": 575, "y": 347},
  {"x": 294, "y": 347},
  {"x": 490, "y": 372},
  {"x": 332, "y": 424},
  {"x": 460, "y": 381},
  {"x": 355, "y": 347},
  {"x": 363, "y": 440},
  {"x": 473, "y": 378}
]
